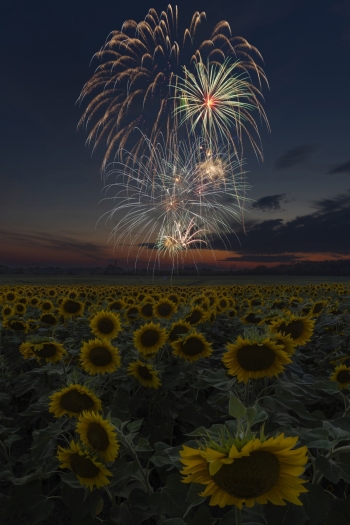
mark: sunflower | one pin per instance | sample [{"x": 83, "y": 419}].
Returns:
[
  {"x": 197, "y": 315},
  {"x": 99, "y": 356},
  {"x": 222, "y": 304},
  {"x": 149, "y": 338},
  {"x": 164, "y": 309},
  {"x": 20, "y": 308},
  {"x": 52, "y": 292},
  {"x": 16, "y": 323},
  {"x": 42, "y": 348},
  {"x": 253, "y": 359},
  {"x": 88, "y": 471},
  {"x": 299, "y": 328},
  {"x": 286, "y": 341},
  {"x": 145, "y": 374},
  {"x": 132, "y": 313},
  {"x": 7, "y": 311},
  {"x": 259, "y": 472},
  {"x": 192, "y": 347},
  {"x": 69, "y": 307},
  {"x": 105, "y": 325},
  {"x": 10, "y": 297},
  {"x": 73, "y": 400},
  {"x": 251, "y": 318},
  {"x": 178, "y": 329},
  {"x": 341, "y": 374},
  {"x": 146, "y": 309},
  {"x": 317, "y": 308},
  {"x": 98, "y": 434},
  {"x": 46, "y": 306},
  {"x": 116, "y": 305},
  {"x": 49, "y": 319}
]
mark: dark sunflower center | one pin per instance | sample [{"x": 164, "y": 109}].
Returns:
[
  {"x": 105, "y": 325},
  {"x": 252, "y": 318},
  {"x": 174, "y": 298},
  {"x": 164, "y": 309},
  {"x": 48, "y": 319},
  {"x": 19, "y": 307},
  {"x": 10, "y": 296},
  {"x": 46, "y": 306},
  {"x": 116, "y": 305},
  {"x": 195, "y": 317},
  {"x": 294, "y": 328},
  {"x": 17, "y": 325},
  {"x": 254, "y": 357},
  {"x": 222, "y": 303},
  {"x": 249, "y": 477},
  {"x": 75, "y": 401},
  {"x": 71, "y": 307},
  {"x": 318, "y": 307},
  {"x": 149, "y": 338},
  {"x": 48, "y": 350},
  {"x": 147, "y": 310},
  {"x": 132, "y": 312},
  {"x": 144, "y": 372},
  {"x": 343, "y": 376},
  {"x": 83, "y": 466},
  {"x": 97, "y": 436},
  {"x": 100, "y": 356},
  {"x": 192, "y": 346},
  {"x": 176, "y": 331}
]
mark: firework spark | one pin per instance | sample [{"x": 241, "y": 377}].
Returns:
[
  {"x": 132, "y": 87},
  {"x": 174, "y": 201},
  {"x": 216, "y": 98}
]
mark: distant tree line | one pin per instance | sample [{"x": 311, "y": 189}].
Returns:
[{"x": 339, "y": 267}]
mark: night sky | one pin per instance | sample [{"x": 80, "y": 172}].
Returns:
[{"x": 50, "y": 186}]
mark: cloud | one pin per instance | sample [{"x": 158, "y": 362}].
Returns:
[
  {"x": 269, "y": 203},
  {"x": 294, "y": 156},
  {"x": 341, "y": 168},
  {"x": 324, "y": 231},
  {"x": 45, "y": 241},
  {"x": 337, "y": 203},
  {"x": 262, "y": 258}
]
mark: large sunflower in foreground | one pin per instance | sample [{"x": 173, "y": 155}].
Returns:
[
  {"x": 99, "y": 356},
  {"x": 149, "y": 338},
  {"x": 341, "y": 374},
  {"x": 98, "y": 434},
  {"x": 299, "y": 328},
  {"x": 88, "y": 471},
  {"x": 192, "y": 347},
  {"x": 145, "y": 374},
  {"x": 73, "y": 400},
  {"x": 259, "y": 472},
  {"x": 250, "y": 359},
  {"x": 105, "y": 325}
]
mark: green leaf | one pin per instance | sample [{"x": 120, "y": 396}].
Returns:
[
  {"x": 329, "y": 469},
  {"x": 171, "y": 499},
  {"x": 289, "y": 515},
  {"x": 315, "y": 503},
  {"x": 42, "y": 511},
  {"x": 193, "y": 498},
  {"x": 202, "y": 516},
  {"x": 134, "y": 425},
  {"x": 236, "y": 408}
]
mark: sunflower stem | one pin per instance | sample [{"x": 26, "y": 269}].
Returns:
[
  {"x": 238, "y": 516},
  {"x": 247, "y": 404}
]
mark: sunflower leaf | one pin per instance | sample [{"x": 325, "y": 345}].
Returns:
[{"x": 236, "y": 408}]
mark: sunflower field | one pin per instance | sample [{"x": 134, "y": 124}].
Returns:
[{"x": 175, "y": 405}]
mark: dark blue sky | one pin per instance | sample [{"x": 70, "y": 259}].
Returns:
[{"x": 50, "y": 186}]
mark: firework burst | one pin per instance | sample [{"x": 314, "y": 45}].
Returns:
[
  {"x": 133, "y": 85},
  {"x": 215, "y": 99},
  {"x": 174, "y": 201}
]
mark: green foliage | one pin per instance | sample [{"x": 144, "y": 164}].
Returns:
[{"x": 197, "y": 403}]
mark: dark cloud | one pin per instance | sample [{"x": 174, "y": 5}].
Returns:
[
  {"x": 270, "y": 202},
  {"x": 324, "y": 231},
  {"x": 337, "y": 203},
  {"x": 262, "y": 258},
  {"x": 340, "y": 168},
  {"x": 293, "y": 157},
  {"x": 44, "y": 241}
]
